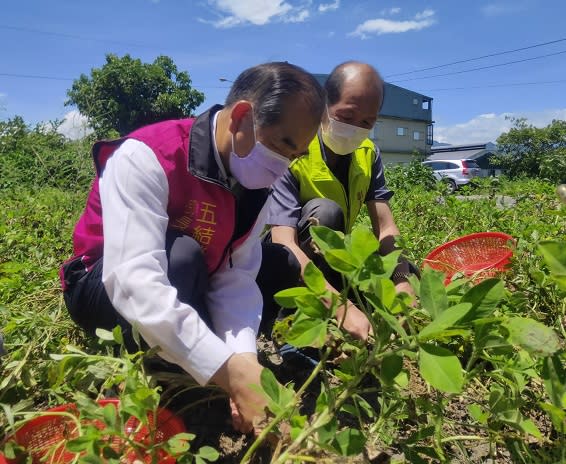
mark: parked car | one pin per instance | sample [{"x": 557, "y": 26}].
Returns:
[{"x": 454, "y": 172}]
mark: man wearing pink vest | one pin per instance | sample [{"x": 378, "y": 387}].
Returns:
[{"x": 169, "y": 239}]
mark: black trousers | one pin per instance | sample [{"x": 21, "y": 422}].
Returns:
[
  {"x": 90, "y": 307},
  {"x": 280, "y": 269}
]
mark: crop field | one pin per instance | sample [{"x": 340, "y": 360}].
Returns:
[{"x": 473, "y": 372}]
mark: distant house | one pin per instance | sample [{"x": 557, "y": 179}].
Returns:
[
  {"x": 404, "y": 126},
  {"x": 481, "y": 153}
]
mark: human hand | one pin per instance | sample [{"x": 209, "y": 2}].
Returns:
[
  {"x": 235, "y": 377},
  {"x": 354, "y": 321},
  {"x": 405, "y": 286}
]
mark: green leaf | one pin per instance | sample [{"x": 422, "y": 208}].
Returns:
[
  {"x": 384, "y": 291},
  {"x": 478, "y": 413},
  {"x": 390, "y": 368},
  {"x": 306, "y": 331},
  {"x": 390, "y": 262},
  {"x": 286, "y": 298},
  {"x": 105, "y": 335},
  {"x": 445, "y": 320},
  {"x": 554, "y": 254},
  {"x": 554, "y": 376},
  {"x": 349, "y": 442},
  {"x": 109, "y": 412},
  {"x": 298, "y": 423},
  {"x": 362, "y": 243},
  {"x": 420, "y": 435},
  {"x": 327, "y": 239},
  {"x": 557, "y": 416},
  {"x": 76, "y": 445},
  {"x": 433, "y": 293},
  {"x": 281, "y": 397},
  {"x": 387, "y": 317},
  {"x": 441, "y": 368},
  {"x": 314, "y": 279},
  {"x": 269, "y": 384},
  {"x": 117, "y": 334},
  {"x": 365, "y": 406},
  {"x": 341, "y": 261},
  {"x": 180, "y": 443},
  {"x": 532, "y": 336},
  {"x": 484, "y": 298},
  {"x": 327, "y": 432},
  {"x": 208, "y": 453},
  {"x": 313, "y": 307},
  {"x": 528, "y": 426}
]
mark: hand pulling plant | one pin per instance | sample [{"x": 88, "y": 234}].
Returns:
[{"x": 461, "y": 345}]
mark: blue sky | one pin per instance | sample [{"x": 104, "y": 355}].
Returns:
[{"x": 58, "y": 40}]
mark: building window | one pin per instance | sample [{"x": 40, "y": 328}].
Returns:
[
  {"x": 426, "y": 105},
  {"x": 429, "y": 134},
  {"x": 401, "y": 131},
  {"x": 415, "y": 101},
  {"x": 416, "y": 135},
  {"x": 373, "y": 133}
]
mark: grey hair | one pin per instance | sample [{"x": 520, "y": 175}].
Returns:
[{"x": 268, "y": 86}]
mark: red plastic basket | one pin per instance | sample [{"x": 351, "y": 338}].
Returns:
[
  {"x": 44, "y": 437},
  {"x": 479, "y": 256}
]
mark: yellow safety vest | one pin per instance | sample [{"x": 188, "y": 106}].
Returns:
[{"x": 316, "y": 180}]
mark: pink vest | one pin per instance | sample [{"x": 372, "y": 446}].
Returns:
[{"x": 199, "y": 206}]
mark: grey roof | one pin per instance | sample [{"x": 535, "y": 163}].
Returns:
[
  {"x": 473, "y": 146},
  {"x": 459, "y": 154},
  {"x": 399, "y": 102}
]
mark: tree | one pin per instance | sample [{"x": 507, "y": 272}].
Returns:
[
  {"x": 534, "y": 152},
  {"x": 125, "y": 94}
]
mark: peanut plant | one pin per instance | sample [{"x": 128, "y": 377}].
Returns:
[{"x": 463, "y": 343}]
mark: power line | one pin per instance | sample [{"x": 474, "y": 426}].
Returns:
[
  {"x": 482, "y": 67},
  {"x": 54, "y": 78},
  {"x": 510, "y": 84},
  {"x": 73, "y": 36},
  {"x": 31, "y": 76},
  {"x": 477, "y": 58}
]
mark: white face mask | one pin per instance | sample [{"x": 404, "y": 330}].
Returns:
[
  {"x": 260, "y": 168},
  {"x": 342, "y": 138}
]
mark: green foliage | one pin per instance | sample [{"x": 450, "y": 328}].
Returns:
[
  {"x": 492, "y": 351},
  {"x": 534, "y": 152},
  {"x": 410, "y": 175},
  {"x": 125, "y": 427},
  {"x": 125, "y": 94},
  {"x": 454, "y": 341},
  {"x": 41, "y": 157}
]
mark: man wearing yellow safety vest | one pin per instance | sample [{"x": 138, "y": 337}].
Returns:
[{"x": 328, "y": 186}]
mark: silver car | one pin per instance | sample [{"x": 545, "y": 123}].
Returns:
[{"x": 454, "y": 172}]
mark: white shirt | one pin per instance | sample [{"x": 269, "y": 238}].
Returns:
[{"x": 134, "y": 195}]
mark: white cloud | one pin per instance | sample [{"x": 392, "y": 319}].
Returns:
[
  {"x": 324, "y": 7},
  {"x": 299, "y": 17},
  {"x": 257, "y": 12},
  {"x": 381, "y": 26},
  {"x": 74, "y": 126},
  {"x": 390, "y": 11},
  {"x": 487, "y": 127},
  {"x": 502, "y": 8}
]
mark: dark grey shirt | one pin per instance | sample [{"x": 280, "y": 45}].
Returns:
[{"x": 285, "y": 205}]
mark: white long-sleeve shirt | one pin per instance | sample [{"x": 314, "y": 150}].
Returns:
[{"x": 134, "y": 195}]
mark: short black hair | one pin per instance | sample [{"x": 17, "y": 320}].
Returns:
[
  {"x": 335, "y": 81},
  {"x": 267, "y": 86}
]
